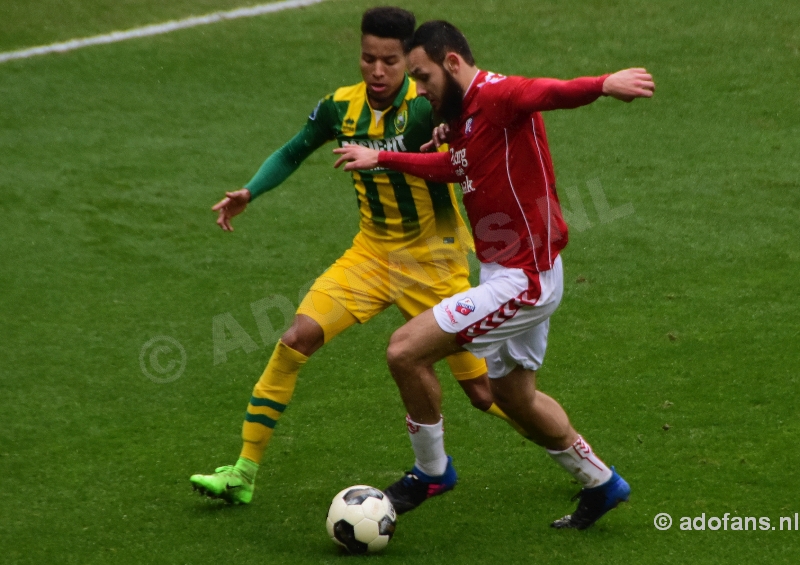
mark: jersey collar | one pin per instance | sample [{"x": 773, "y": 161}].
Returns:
[
  {"x": 398, "y": 100},
  {"x": 472, "y": 89},
  {"x": 472, "y": 82}
]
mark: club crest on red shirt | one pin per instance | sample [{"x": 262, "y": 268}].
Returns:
[{"x": 465, "y": 306}]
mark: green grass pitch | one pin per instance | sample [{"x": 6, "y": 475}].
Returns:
[{"x": 675, "y": 351}]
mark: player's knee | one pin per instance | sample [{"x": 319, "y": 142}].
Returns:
[
  {"x": 478, "y": 392},
  {"x": 394, "y": 355},
  {"x": 482, "y": 403},
  {"x": 398, "y": 353},
  {"x": 304, "y": 336}
]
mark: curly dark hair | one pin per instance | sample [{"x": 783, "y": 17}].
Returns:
[{"x": 388, "y": 22}]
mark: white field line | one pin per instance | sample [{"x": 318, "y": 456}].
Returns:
[{"x": 156, "y": 29}]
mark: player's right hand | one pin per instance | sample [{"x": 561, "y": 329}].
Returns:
[
  {"x": 628, "y": 84},
  {"x": 439, "y": 136},
  {"x": 356, "y": 158},
  {"x": 232, "y": 205}
]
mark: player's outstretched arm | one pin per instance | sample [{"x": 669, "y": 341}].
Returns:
[
  {"x": 628, "y": 84},
  {"x": 232, "y": 205},
  {"x": 356, "y": 157}
]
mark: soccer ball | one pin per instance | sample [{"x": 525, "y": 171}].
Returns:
[{"x": 361, "y": 519}]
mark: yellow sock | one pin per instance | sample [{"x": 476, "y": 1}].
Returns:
[
  {"x": 494, "y": 410},
  {"x": 272, "y": 393}
]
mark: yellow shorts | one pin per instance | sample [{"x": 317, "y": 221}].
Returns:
[{"x": 360, "y": 285}]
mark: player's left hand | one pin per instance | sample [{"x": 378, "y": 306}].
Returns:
[
  {"x": 439, "y": 136},
  {"x": 232, "y": 205},
  {"x": 628, "y": 84},
  {"x": 360, "y": 158}
]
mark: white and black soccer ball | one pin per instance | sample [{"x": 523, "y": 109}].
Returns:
[{"x": 361, "y": 519}]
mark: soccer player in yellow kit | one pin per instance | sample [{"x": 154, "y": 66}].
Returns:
[{"x": 411, "y": 249}]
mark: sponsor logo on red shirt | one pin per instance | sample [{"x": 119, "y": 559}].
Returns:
[{"x": 459, "y": 158}]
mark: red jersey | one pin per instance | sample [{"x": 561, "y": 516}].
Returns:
[{"x": 499, "y": 156}]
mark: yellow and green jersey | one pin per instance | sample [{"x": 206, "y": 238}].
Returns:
[{"x": 398, "y": 211}]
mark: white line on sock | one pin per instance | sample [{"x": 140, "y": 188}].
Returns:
[{"x": 156, "y": 29}]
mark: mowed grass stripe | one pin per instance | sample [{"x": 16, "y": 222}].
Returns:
[{"x": 156, "y": 29}]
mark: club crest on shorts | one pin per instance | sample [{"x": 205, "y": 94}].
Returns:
[{"x": 465, "y": 306}]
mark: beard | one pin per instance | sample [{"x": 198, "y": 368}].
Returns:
[{"x": 452, "y": 99}]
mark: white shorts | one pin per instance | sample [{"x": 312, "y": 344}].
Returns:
[{"x": 504, "y": 319}]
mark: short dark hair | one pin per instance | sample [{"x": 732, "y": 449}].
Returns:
[
  {"x": 438, "y": 38},
  {"x": 388, "y": 22}
]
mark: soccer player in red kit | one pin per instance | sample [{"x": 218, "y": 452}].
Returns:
[{"x": 500, "y": 157}]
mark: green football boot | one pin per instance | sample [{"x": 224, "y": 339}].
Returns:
[{"x": 232, "y": 483}]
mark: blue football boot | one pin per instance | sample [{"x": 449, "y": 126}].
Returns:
[{"x": 595, "y": 502}]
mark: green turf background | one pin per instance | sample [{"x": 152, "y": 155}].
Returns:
[{"x": 683, "y": 311}]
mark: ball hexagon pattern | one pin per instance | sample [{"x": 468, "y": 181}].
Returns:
[{"x": 361, "y": 519}]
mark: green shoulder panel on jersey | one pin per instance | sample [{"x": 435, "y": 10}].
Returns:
[{"x": 323, "y": 120}]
